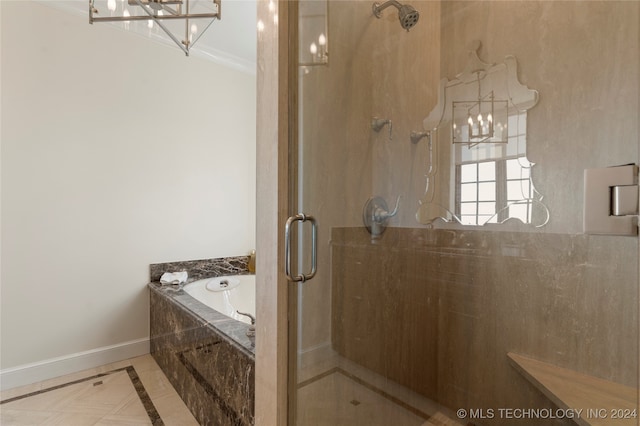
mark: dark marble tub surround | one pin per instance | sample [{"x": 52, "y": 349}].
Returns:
[
  {"x": 206, "y": 356},
  {"x": 232, "y": 329},
  {"x": 205, "y": 268}
]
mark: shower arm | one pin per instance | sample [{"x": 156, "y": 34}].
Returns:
[{"x": 377, "y": 7}]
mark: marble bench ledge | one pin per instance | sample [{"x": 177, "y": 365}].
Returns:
[{"x": 601, "y": 401}]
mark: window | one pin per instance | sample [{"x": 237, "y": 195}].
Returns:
[
  {"x": 493, "y": 191},
  {"x": 519, "y": 189},
  {"x": 477, "y": 194}
]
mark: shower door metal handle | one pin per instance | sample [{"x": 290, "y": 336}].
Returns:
[{"x": 300, "y": 217}]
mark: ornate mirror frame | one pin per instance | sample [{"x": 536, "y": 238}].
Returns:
[{"x": 478, "y": 171}]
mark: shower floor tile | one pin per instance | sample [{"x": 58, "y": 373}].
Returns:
[
  {"x": 314, "y": 393},
  {"x": 132, "y": 392},
  {"x": 336, "y": 398}
]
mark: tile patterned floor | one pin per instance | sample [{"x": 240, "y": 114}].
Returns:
[
  {"x": 339, "y": 399},
  {"x": 334, "y": 391},
  {"x": 131, "y": 392},
  {"x": 136, "y": 392}
]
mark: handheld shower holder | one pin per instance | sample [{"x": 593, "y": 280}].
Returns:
[
  {"x": 378, "y": 123},
  {"x": 417, "y": 136}
]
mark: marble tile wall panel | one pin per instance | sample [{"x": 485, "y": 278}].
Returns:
[
  {"x": 212, "y": 373},
  {"x": 571, "y": 300},
  {"x": 205, "y": 268},
  {"x": 379, "y": 324}
]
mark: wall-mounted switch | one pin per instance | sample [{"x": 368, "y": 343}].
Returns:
[{"x": 611, "y": 200}]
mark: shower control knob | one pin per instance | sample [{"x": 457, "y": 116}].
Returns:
[{"x": 376, "y": 214}]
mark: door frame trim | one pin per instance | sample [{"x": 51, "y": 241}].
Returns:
[{"x": 276, "y": 141}]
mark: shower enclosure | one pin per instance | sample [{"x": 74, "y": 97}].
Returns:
[{"x": 424, "y": 319}]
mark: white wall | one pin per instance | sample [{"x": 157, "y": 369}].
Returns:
[{"x": 116, "y": 152}]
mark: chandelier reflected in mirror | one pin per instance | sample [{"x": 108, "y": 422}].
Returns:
[
  {"x": 483, "y": 120},
  {"x": 183, "y": 21},
  {"x": 313, "y": 36}
]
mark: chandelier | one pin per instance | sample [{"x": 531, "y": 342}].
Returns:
[
  {"x": 179, "y": 19},
  {"x": 482, "y": 120}
]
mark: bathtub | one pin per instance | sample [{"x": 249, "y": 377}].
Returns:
[
  {"x": 204, "y": 348},
  {"x": 227, "y": 295},
  {"x": 214, "y": 307}
]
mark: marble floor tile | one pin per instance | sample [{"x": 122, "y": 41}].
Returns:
[
  {"x": 335, "y": 400},
  {"x": 130, "y": 392},
  {"x": 314, "y": 392}
]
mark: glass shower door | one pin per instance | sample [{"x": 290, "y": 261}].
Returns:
[{"x": 452, "y": 268}]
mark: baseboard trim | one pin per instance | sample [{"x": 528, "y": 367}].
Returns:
[
  {"x": 72, "y": 363},
  {"x": 315, "y": 355}
]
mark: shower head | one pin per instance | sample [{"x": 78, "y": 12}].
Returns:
[{"x": 408, "y": 15}]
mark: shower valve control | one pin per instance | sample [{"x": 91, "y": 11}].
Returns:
[{"x": 376, "y": 214}]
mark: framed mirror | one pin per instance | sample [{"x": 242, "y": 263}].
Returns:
[{"x": 478, "y": 172}]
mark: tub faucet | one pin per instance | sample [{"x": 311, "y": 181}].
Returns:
[{"x": 251, "y": 332}]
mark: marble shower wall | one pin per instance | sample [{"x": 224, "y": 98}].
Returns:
[
  {"x": 438, "y": 311},
  {"x": 551, "y": 293},
  {"x": 582, "y": 57},
  {"x": 375, "y": 69}
]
